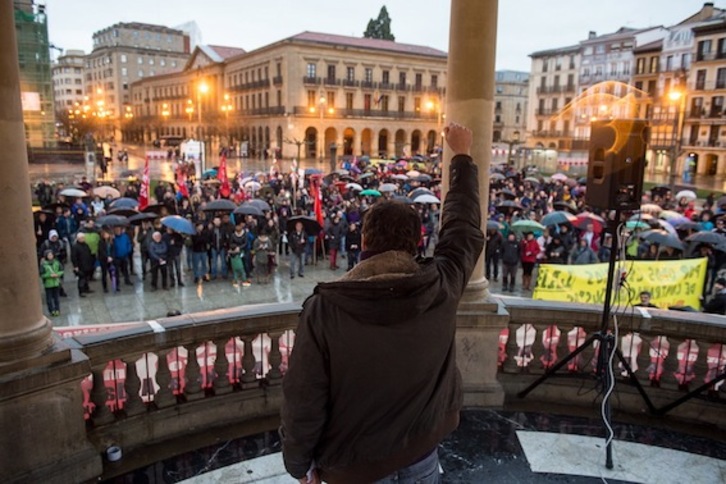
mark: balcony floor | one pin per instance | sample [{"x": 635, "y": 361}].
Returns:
[{"x": 488, "y": 446}]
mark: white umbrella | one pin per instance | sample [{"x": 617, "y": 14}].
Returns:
[
  {"x": 245, "y": 180},
  {"x": 400, "y": 176},
  {"x": 354, "y": 186},
  {"x": 73, "y": 192},
  {"x": 253, "y": 185},
  {"x": 689, "y": 194},
  {"x": 426, "y": 198},
  {"x": 559, "y": 176},
  {"x": 667, "y": 227},
  {"x": 413, "y": 174},
  {"x": 105, "y": 191},
  {"x": 387, "y": 187}
]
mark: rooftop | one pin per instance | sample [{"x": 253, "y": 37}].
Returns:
[
  {"x": 570, "y": 49},
  {"x": 364, "y": 43},
  {"x": 141, "y": 26}
]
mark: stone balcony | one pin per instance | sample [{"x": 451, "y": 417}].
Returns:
[{"x": 147, "y": 396}]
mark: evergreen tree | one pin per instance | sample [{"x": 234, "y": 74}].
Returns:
[{"x": 380, "y": 28}]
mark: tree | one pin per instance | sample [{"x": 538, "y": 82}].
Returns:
[{"x": 380, "y": 28}]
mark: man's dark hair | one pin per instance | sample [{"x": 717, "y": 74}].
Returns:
[{"x": 391, "y": 225}]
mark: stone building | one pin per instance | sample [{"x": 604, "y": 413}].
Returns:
[
  {"x": 124, "y": 53},
  {"x": 68, "y": 80},
  {"x": 318, "y": 93}
]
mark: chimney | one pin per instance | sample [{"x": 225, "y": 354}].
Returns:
[
  {"x": 591, "y": 35},
  {"x": 707, "y": 10}
]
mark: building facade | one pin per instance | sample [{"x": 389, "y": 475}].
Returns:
[
  {"x": 314, "y": 95},
  {"x": 124, "y": 53},
  {"x": 31, "y": 26},
  {"x": 68, "y": 80}
]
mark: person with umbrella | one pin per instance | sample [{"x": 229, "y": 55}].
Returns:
[
  {"x": 158, "y": 254},
  {"x": 510, "y": 262},
  {"x": 175, "y": 243},
  {"x": 143, "y": 238},
  {"x": 583, "y": 254},
  {"x": 353, "y": 244},
  {"x": 529, "y": 250},
  {"x": 556, "y": 252},
  {"x": 298, "y": 241},
  {"x": 105, "y": 259},
  {"x": 219, "y": 244},
  {"x": 492, "y": 251},
  {"x": 334, "y": 236},
  {"x": 58, "y": 248},
  {"x": 43, "y": 223}
]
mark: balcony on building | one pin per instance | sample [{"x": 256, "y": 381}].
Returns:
[{"x": 311, "y": 80}]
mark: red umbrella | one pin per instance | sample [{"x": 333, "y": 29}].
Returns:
[{"x": 586, "y": 218}]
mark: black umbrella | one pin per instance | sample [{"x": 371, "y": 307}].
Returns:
[
  {"x": 402, "y": 199},
  {"x": 124, "y": 212},
  {"x": 155, "y": 208},
  {"x": 419, "y": 191},
  {"x": 496, "y": 177},
  {"x": 248, "y": 209},
  {"x": 112, "y": 221},
  {"x": 507, "y": 205},
  {"x": 141, "y": 217},
  {"x": 582, "y": 180},
  {"x": 44, "y": 211},
  {"x": 712, "y": 238},
  {"x": 221, "y": 205},
  {"x": 423, "y": 178},
  {"x": 124, "y": 203},
  {"x": 261, "y": 204},
  {"x": 687, "y": 226},
  {"x": 493, "y": 225},
  {"x": 310, "y": 225},
  {"x": 558, "y": 218},
  {"x": 508, "y": 194}
]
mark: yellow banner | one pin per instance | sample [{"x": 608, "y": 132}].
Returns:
[{"x": 671, "y": 283}]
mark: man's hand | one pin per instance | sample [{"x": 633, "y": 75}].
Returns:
[{"x": 459, "y": 139}]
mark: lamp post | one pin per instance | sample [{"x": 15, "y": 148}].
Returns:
[
  {"x": 322, "y": 103},
  {"x": 226, "y": 108},
  {"x": 512, "y": 142},
  {"x": 679, "y": 97},
  {"x": 164, "y": 115}
]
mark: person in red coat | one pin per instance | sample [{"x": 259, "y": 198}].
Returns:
[{"x": 529, "y": 248}]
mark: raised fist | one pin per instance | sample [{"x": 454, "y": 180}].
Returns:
[{"x": 459, "y": 139}]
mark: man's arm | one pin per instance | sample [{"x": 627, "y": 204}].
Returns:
[
  {"x": 305, "y": 396},
  {"x": 460, "y": 238}
]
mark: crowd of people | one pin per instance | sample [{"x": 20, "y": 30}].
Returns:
[{"x": 532, "y": 220}]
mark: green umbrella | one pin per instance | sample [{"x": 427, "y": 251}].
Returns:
[
  {"x": 370, "y": 193},
  {"x": 527, "y": 226}
]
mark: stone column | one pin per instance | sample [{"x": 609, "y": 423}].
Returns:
[
  {"x": 24, "y": 331},
  {"x": 469, "y": 101}
]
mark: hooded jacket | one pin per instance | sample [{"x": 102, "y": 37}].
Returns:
[{"x": 372, "y": 384}]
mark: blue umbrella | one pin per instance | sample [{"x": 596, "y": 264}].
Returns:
[
  {"x": 124, "y": 203},
  {"x": 313, "y": 171},
  {"x": 178, "y": 224}
]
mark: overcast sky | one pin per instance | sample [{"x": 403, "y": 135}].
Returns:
[{"x": 525, "y": 26}]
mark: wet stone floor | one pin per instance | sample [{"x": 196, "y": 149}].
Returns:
[{"x": 485, "y": 448}]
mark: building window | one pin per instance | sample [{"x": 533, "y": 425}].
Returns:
[
  {"x": 151, "y": 61},
  {"x": 701, "y": 79},
  {"x": 348, "y": 100},
  {"x": 402, "y": 78},
  {"x": 367, "y": 102},
  {"x": 385, "y": 77},
  {"x": 331, "y": 99},
  {"x": 368, "y": 75},
  {"x": 311, "y": 99},
  {"x": 140, "y": 73},
  {"x": 640, "y": 66},
  {"x": 140, "y": 60},
  {"x": 721, "y": 78},
  {"x": 173, "y": 63},
  {"x": 311, "y": 69},
  {"x": 123, "y": 58},
  {"x": 419, "y": 80},
  {"x": 331, "y": 73},
  {"x": 350, "y": 74},
  {"x": 278, "y": 68},
  {"x": 124, "y": 71},
  {"x": 384, "y": 103},
  {"x": 162, "y": 62},
  {"x": 704, "y": 48},
  {"x": 545, "y": 63},
  {"x": 654, "y": 64},
  {"x": 279, "y": 97},
  {"x": 434, "y": 80},
  {"x": 152, "y": 72},
  {"x": 417, "y": 104},
  {"x": 401, "y": 104}
]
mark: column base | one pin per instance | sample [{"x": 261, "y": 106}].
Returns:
[
  {"x": 41, "y": 417},
  {"x": 25, "y": 345},
  {"x": 491, "y": 395},
  {"x": 477, "y": 294}
]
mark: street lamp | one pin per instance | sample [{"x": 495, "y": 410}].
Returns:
[
  {"x": 322, "y": 103},
  {"x": 676, "y": 96},
  {"x": 202, "y": 88},
  {"x": 226, "y": 108}
]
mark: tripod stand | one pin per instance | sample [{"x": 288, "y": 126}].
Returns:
[{"x": 607, "y": 345}]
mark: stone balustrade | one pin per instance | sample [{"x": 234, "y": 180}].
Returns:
[{"x": 146, "y": 390}]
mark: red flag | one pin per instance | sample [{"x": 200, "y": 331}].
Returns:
[
  {"x": 144, "y": 192},
  {"x": 224, "y": 188},
  {"x": 181, "y": 180},
  {"x": 317, "y": 198}
]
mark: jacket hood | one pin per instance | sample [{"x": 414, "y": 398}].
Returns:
[{"x": 389, "y": 288}]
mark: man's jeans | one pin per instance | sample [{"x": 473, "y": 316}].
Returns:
[
  {"x": 199, "y": 260},
  {"x": 221, "y": 256},
  {"x": 299, "y": 261},
  {"x": 425, "y": 471}
]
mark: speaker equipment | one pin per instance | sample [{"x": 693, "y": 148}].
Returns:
[{"x": 616, "y": 164}]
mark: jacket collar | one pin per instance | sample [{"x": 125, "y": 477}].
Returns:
[{"x": 386, "y": 265}]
